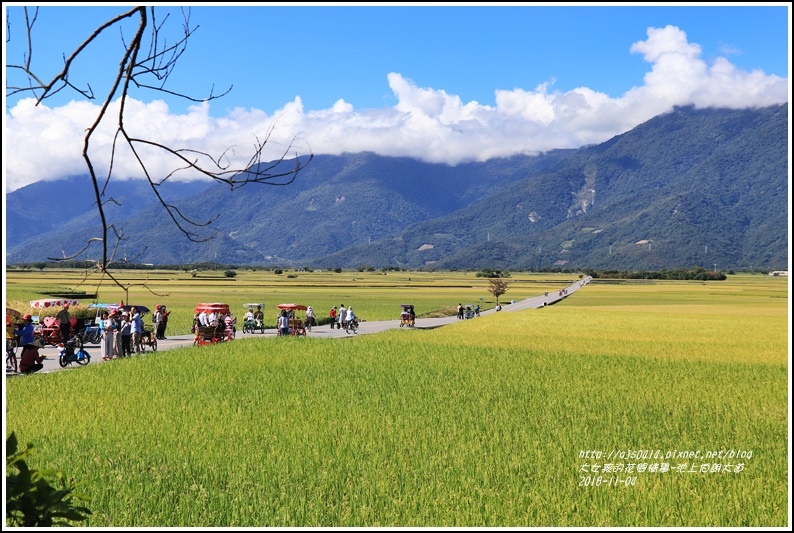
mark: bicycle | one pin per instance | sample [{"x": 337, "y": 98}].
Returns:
[
  {"x": 72, "y": 352},
  {"x": 11, "y": 354}
]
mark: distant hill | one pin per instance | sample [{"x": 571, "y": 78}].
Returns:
[
  {"x": 68, "y": 205},
  {"x": 687, "y": 188},
  {"x": 691, "y": 187}
]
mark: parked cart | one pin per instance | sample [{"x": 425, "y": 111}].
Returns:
[{"x": 296, "y": 322}]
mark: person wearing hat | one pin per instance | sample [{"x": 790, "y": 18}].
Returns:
[
  {"x": 26, "y": 332},
  {"x": 115, "y": 316},
  {"x": 63, "y": 320},
  {"x": 30, "y": 360}
]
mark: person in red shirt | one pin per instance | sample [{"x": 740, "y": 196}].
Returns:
[{"x": 31, "y": 361}]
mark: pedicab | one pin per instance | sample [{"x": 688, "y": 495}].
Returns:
[
  {"x": 257, "y": 323},
  {"x": 296, "y": 323},
  {"x": 48, "y": 328},
  {"x": 212, "y": 334},
  {"x": 408, "y": 316},
  {"x": 12, "y": 341}
]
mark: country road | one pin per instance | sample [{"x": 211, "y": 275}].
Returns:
[{"x": 375, "y": 326}]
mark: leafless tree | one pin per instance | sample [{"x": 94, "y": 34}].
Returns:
[{"x": 147, "y": 60}]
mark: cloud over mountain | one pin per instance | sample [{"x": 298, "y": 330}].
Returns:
[{"x": 426, "y": 123}]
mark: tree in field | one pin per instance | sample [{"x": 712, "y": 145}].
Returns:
[
  {"x": 498, "y": 287},
  {"x": 146, "y": 60}
]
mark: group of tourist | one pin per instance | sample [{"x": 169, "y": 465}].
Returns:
[
  {"x": 203, "y": 319},
  {"x": 160, "y": 319},
  {"x": 343, "y": 318},
  {"x": 121, "y": 333},
  {"x": 467, "y": 312}
]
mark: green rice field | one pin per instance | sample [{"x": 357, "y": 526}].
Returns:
[{"x": 627, "y": 404}]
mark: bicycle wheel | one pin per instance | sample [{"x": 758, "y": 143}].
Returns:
[
  {"x": 64, "y": 361},
  {"x": 154, "y": 344},
  {"x": 11, "y": 356},
  {"x": 83, "y": 358}
]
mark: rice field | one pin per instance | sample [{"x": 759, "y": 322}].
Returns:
[{"x": 610, "y": 408}]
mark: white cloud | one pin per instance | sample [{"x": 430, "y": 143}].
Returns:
[{"x": 430, "y": 124}]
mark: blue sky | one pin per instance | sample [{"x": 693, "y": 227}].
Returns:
[{"x": 441, "y": 83}]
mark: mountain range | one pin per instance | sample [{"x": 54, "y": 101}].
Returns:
[{"x": 692, "y": 187}]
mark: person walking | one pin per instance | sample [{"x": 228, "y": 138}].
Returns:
[
  {"x": 342, "y": 316},
  {"x": 64, "y": 322},
  {"x": 460, "y": 311},
  {"x": 332, "y": 314}
]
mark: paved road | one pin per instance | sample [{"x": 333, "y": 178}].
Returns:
[{"x": 375, "y": 326}]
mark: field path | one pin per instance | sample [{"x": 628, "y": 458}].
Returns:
[{"x": 376, "y": 326}]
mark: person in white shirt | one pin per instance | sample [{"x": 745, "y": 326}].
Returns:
[{"x": 309, "y": 318}]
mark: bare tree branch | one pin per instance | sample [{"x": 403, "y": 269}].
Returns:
[{"x": 144, "y": 59}]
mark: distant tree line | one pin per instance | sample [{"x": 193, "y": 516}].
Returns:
[{"x": 694, "y": 273}]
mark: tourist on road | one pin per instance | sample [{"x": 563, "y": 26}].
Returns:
[
  {"x": 106, "y": 327},
  {"x": 126, "y": 334},
  {"x": 283, "y": 323},
  {"x": 31, "y": 361},
  {"x": 64, "y": 322},
  {"x": 136, "y": 329},
  {"x": 309, "y": 318}
]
